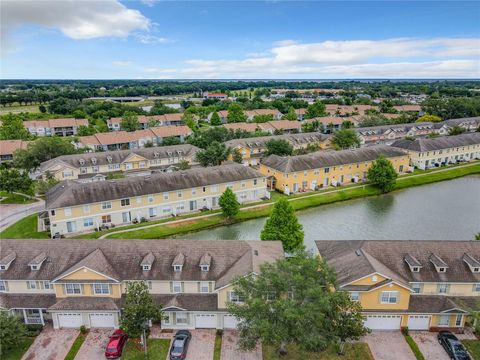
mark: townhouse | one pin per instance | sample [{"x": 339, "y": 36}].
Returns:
[
  {"x": 75, "y": 207},
  {"x": 348, "y": 110},
  {"x": 83, "y": 282},
  {"x": 281, "y": 126},
  {"x": 57, "y": 127},
  {"x": 8, "y": 148},
  {"x": 471, "y": 124},
  {"x": 123, "y": 140},
  {"x": 277, "y": 115},
  {"x": 292, "y": 174},
  {"x": 387, "y": 134},
  {"x": 331, "y": 123},
  {"x": 252, "y": 149},
  {"x": 249, "y": 127},
  {"x": 300, "y": 114},
  {"x": 422, "y": 285},
  {"x": 96, "y": 166},
  {"x": 441, "y": 151},
  {"x": 146, "y": 121}
]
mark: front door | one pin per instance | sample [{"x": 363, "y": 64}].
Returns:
[
  {"x": 71, "y": 226},
  {"x": 193, "y": 205}
]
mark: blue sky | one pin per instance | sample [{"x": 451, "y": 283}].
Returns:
[{"x": 110, "y": 39}]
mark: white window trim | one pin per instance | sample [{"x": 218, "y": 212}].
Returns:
[
  {"x": 183, "y": 316},
  {"x": 204, "y": 284},
  {"x": 390, "y": 293},
  {"x": 101, "y": 292},
  {"x": 174, "y": 283},
  {"x": 73, "y": 288},
  {"x": 3, "y": 285}
]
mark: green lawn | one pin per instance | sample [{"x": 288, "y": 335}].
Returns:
[
  {"x": 75, "y": 346},
  {"x": 17, "y": 353},
  {"x": 473, "y": 347},
  {"x": 356, "y": 351},
  {"x": 413, "y": 345},
  {"x": 18, "y": 109},
  {"x": 24, "y": 229},
  {"x": 217, "y": 350},
  {"x": 14, "y": 198},
  {"x": 157, "y": 349}
]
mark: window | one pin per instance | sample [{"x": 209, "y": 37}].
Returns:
[
  {"x": 177, "y": 268},
  {"x": 101, "y": 289},
  {"x": 87, "y": 222},
  {"x": 150, "y": 198},
  {"x": 214, "y": 188},
  {"x": 106, "y": 219},
  {"x": 95, "y": 169},
  {"x": 86, "y": 209},
  {"x": 165, "y": 196},
  {"x": 73, "y": 289},
  {"x": 229, "y": 186},
  {"x": 458, "y": 320},
  {"x": 3, "y": 285},
  {"x": 67, "y": 211},
  {"x": 443, "y": 320},
  {"x": 389, "y": 297},
  {"x": 417, "y": 288},
  {"x": 476, "y": 287},
  {"x": 204, "y": 287},
  {"x": 52, "y": 212},
  {"x": 355, "y": 295},
  {"x": 177, "y": 287},
  {"x": 194, "y": 191},
  {"x": 415, "y": 269},
  {"x": 106, "y": 205},
  {"x": 46, "y": 285},
  {"x": 34, "y": 267},
  {"x": 182, "y": 318},
  {"x": 234, "y": 297},
  {"x": 166, "y": 318},
  {"x": 3, "y": 267},
  {"x": 255, "y": 181},
  {"x": 443, "y": 288},
  {"x": 179, "y": 194},
  {"x": 327, "y": 170},
  {"x": 243, "y": 184},
  {"x": 205, "y": 268},
  {"x": 441, "y": 269},
  {"x": 146, "y": 267},
  {"x": 125, "y": 202}
]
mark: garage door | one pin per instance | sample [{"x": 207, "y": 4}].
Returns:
[
  {"x": 70, "y": 320},
  {"x": 206, "y": 321},
  {"x": 229, "y": 322},
  {"x": 102, "y": 320},
  {"x": 383, "y": 322},
  {"x": 418, "y": 322}
]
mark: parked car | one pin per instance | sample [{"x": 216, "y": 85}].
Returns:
[
  {"x": 115, "y": 345},
  {"x": 179, "y": 346},
  {"x": 453, "y": 346}
]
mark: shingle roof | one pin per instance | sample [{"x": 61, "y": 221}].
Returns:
[
  {"x": 432, "y": 304},
  {"x": 71, "y": 193},
  {"x": 439, "y": 143},
  {"x": 320, "y": 159},
  {"x": 27, "y": 301},
  {"x": 294, "y": 139},
  {"x": 83, "y": 303},
  {"x": 125, "y": 257},
  {"x": 8, "y": 147},
  {"x": 342, "y": 255},
  {"x": 8, "y": 258},
  {"x": 190, "y": 302}
]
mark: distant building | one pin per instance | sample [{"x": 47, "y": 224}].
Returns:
[
  {"x": 57, "y": 127},
  {"x": 158, "y": 120},
  {"x": 209, "y": 95},
  {"x": 8, "y": 147}
]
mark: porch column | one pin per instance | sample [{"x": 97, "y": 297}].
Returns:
[
  {"x": 41, "y": 316},
  {"x": 24, "y": 316}
]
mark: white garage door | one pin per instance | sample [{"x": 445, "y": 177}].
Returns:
[
  {"x": 70, "y": 320},
  {"x": 383, "y": 322},
  {"x": 205, "y": 321},
  {"x": 102, "y": 320},
  {"x": 229, "y": 322},
  {"x": 418, "y": 322}
]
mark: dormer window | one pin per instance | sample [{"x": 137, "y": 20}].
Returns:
[
  {"x": 205, "y": 262},
  {"x": 147, "y": 262},
  {"x": 415, "y": 269},
  {"x": 442, "y": 269},
  {"x": 472, "y": 263},
  {"x": 37, "y": 262},
  {"x": 94, "y": 161},
  {"x": 146, "y": 267},
  {"x": 205, "y": 268},
  {"x": 440, "y": 265},
  {"x": 3, "y": 267},
  {"x": 413, "y": 263},
  {"x": 82, "y": 162},
  {"x": 109, "y": 159},
  {"x": 177, "y": 268},
  {"x": 34, "y": 267},
  {"x": 7, "y": 260}
]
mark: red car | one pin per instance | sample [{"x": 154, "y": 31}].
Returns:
[{"x": 115, "y": 344}]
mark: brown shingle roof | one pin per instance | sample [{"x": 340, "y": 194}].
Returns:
[
  {"x": 27, "y": 301},
  {"x": 8, "y": 147},
  {"x": 439, "y": 143},
  {"x": 83, "y": 303},
  {"x": 294, "y": 139}
]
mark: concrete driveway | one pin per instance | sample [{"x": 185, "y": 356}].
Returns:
[
  {"x": 230, "y": 348},
  {"x": 11, "y": 213},
  {"x": 388, "y": 345},
  {"x": 51, "y": 344},
  {"x": 428, "y": 344},
  {"x": 201, "y": 345},
  {"x": 93, "y": 348}
]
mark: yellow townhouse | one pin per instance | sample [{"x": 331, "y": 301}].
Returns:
[
  {"x": 253, "y": 149},
  {"x": 74, "y": 207},
  {"x": 292, "y": 174},
  {"x": 136, "y": 162},
  {"x": 441, "y": 151},
  {"x": 73, "y": 283},
  {"x": 422, "y": 285}
]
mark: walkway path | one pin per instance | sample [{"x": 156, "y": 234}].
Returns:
[
  {"x": 270, "y": 203},
  {"x": 11, "y": 213}
]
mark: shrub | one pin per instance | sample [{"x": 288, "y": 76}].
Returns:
[
  {"x": 220, "y": 332},
  {"x": 32, "y": 330},
  {"x": 83, "y": 329}
]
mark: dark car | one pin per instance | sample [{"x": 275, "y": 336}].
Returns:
[
  {"x": 180, "y": 343},
  {"x": 453, "y": 346},
  {"x": 115, "y": 344}
]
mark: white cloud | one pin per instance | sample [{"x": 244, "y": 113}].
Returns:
[
  {"x": 399, "y": 58},
  {"x": 121, "y": 63},
  {"x": 149, "y": 3},
  {"x": 152, "y": 39}
]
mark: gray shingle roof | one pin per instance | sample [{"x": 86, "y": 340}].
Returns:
[
  {"x": 439, "y": 143},
  {"x": 71, "y": 193},
  {"x": 83, "y": 303},
  {"x": 8, "y": 258},
  {"x": 294, "y": 139},
  {"x": 230, "y": 258},
  {"x": 321, "y": 159},
  {"x": 27, "y": 301}
]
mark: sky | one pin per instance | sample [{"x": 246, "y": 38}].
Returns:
[{"x": 157, "y": 39}]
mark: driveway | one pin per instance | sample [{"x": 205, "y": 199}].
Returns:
[
  {"x": 51, "y": 344},
  {"x": 11, "y": 213},
  {"x": 93, "y": 348},
  {"x": 388, "y": 345},
  {"x": 230, "y": 348},
  {"x": 202, "y": 344},
  {"x": 428, "y": 344}
]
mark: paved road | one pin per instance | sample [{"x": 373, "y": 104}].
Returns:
[{"x": 11, "y": 213}]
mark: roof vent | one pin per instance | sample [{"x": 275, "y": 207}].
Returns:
[{"x": 358, "y": 252}]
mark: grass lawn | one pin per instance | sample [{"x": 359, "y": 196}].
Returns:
[
  {"x": 356, "y": 351},
  {"x": 413, "y": 345},
  {"x": 473, "y": 347},
  {"x": 217, "y": 350},
  {"x": 17, "y": 353},
  {"x": 76, "y": 346},
  {"x": 14, "y": 198},
  {"x": 157, "y": 349},
  {"x": 18, "y": 109},
  {"x": 24, "y": 229}
]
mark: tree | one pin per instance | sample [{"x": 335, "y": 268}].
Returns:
[
  {"x": 345, "y": 139},
  {"x": 138, "y": 309},
  {"x": 477, "y": 236},
  {"x": 236, "y": 114},
  {"x": 12, "y": 129},
  {"x": 229, "y": 203},
  {"x": 456, "y": 130},
  {"x": 347, "y": 124},
  {"x": 42, "y": 109},
  {"x": 283, "y": 225},
  {"x": 429, "y": 118},
  {"x": 290, "y": 115},
  {"x": 278, "y": 147},
  {"x": 13, "y": 180},
  {"x": 215, "y": 119},
  {"x": 189, "y": 120},
  {"x": 130, "y": 121},
  {"x": 213, "y": 155},
  {"x": 12, "y": 331},
  {"x": 237, "y": 156},
  {"x": 382, "y": 174},
  {"x": 183, "y": 165},
  {"x": 262, "y": 118},
  {"x": 317, "y": 109},
  {"x": 171, "y": 140},
  {"x": 84, "y": 130},
  {"x": 279, "y": 309},
  {"x": 42, "y": 186}
]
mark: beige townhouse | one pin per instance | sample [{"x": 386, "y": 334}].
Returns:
[
  {"x": 57, "y": 127},
  {"x": 8, "y": 148},
  {"x": 146, "y": 121},
  {"x": 83, "y": 282}
]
